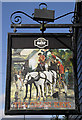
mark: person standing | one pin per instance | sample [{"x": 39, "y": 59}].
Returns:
[
  {"x": 60, "y": 69},
  {"x": 18, "y": 81},
  {"x": 66, "y": 75}
]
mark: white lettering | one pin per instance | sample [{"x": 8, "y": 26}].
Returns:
[{"x": 41, "y": 43}]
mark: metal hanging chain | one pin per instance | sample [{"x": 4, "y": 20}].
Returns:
[{"x": 18, "y": 19}]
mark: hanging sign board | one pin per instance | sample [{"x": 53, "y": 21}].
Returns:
[{"x": 40, "y": 74}]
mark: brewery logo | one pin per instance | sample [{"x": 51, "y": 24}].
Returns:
[{"x": 41, "y": 42}]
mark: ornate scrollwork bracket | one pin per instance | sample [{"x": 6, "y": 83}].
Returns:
[{"x": 18, "y": 19}]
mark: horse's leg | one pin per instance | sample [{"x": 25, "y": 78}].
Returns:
[
  {"x": 51, "y": 89},
  {"x": 54, "y": 85},
  {"x": 30, "y": 90},
  {"x": 36, "y": 89},
  {"x": 39, "y": 94},
  {"x": 43, "y": 91},
  {"x": 51, "y": 79},
  {"x": 46, "y": 90},
  {"x": 26, "y": 91}
]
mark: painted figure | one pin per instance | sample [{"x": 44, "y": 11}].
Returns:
[
  {"x": 18, "y": 80},
  {"x": 45, "y": 52},
  {"x": 66, "y": 75},
  {"x": 41, "y": 61}
]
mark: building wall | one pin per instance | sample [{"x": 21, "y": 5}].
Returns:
[{"x": 78, "y": 36}]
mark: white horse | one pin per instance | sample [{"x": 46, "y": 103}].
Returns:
[
  {"x": 51, "y": 74},
  {"x": 41, "y": 79},
  {"x": 38, "y": 79},
  {"x": 51, "y": 80},
  {"x": 54, "y": 84}
]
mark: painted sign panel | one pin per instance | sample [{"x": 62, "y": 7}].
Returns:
[{"x": 41, "y": 79}]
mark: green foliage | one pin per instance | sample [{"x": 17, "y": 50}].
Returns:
[{"x": 65, "y": 56}]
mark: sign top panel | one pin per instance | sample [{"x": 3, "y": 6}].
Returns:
[{"x": 54, "y": 40}]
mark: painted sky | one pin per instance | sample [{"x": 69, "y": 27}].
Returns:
[{"x": 28, "y": 7}]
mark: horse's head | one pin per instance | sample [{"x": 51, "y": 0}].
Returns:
[
  {"x": 46, "y": 66},
  {"x": 27, "y": 78},
  {"x": 24, "y": 70}
]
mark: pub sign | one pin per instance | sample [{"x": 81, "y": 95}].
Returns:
[{"x": 40, "y": 74}]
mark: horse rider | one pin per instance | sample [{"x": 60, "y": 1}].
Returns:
[
  {"x": 53, "y": 63},
  {"x": 45, "y": 52},
  {"x": 41, "y": 61}
]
